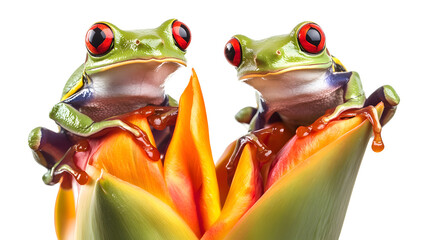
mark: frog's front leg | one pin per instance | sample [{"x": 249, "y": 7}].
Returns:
[
  {"x": 354, "y": 97},
  {"x": 82, "y": 125},
  {"x": 268, "y": 141}
]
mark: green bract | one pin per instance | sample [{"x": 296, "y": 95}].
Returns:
[{"x": 113, "y": 209}]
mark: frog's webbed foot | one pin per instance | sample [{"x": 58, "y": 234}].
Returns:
[
  {"x": 262, "y": 150},
  {"x": 385, "y": 94},
  {"x": 163, "y": 121},
  {"x": 55, "y": 152},
  {"x": 67, "y": 165},
  {"x": 390, "y": 99},
  {"x": 163, "y": 117},
  {"x": 103, "y": 127},
  {"x": 159, "y": 118},
  {"x": 336, "y": 112},
  {"x": 47, "y": 146},
  {"x": 264, "y": 153}
]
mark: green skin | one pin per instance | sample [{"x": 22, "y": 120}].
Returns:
[
  {"x": 129, "y": 76},
  {"x": 286, "y": 77},
  {"x": 155, "y": 44}
]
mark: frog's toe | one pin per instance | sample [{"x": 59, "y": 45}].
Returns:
[
  {"x": 34, "y": 138},
  {"x": 385, "y": 94},
  {"x": 391, "y": 96},
  {"x": 245, "y": 115},
  {"x": 35, "y": 143}
]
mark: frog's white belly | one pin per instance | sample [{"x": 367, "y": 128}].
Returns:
[
  {"x": 300, "y": 97},
  {"x": 120, "y": 90},
  {"x": 304, "y": 113}
]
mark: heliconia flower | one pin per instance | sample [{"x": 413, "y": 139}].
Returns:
[
  {"x": 129, "y": 196},
  {"x": 309, "y": 185},
  {"x": 302, "y": 194}
]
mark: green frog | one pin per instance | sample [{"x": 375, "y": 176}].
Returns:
[
  {"x": 123, "y": 71},
  {"x": 298, "y": 80}
]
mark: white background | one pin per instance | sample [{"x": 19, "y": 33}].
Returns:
[{"x": 386, "y": 42}]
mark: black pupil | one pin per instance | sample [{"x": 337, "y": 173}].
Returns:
[
  {"x": 96, "y": 37},
  {"x": 184, "y": 33},
  {"x": 229, "y": 52},
  {"x": 313, "y": 36}
]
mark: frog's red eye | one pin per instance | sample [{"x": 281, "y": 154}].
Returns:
[
  {"x": 311, "y": 38},
  {"x": 233, "y": 52},
  {"x": 181, "y": 35},
  {"x": 99, "y": 39}
]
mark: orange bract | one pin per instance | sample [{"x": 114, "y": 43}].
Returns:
[
  {"x": 121, "y": 156},
  {"x": 189, "y": 167}
]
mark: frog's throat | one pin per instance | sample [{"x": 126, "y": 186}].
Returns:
[
  {"x": 246, "y": 76},
  {"x": 118, "y": 64}
]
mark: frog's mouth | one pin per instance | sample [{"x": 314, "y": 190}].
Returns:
[
  {"x": 133, "y": 61},
  {"x": 249, "y": 75}
]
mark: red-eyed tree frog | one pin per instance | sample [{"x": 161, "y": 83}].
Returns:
[
  {"x": 298, "y": 80},
  {"x": 123, "y": 71}
]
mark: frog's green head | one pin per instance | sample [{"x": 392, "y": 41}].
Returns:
[
  {"x": 302, "y": 49},
  {"x": 126, "y": 69},
  {"x": 109, "y": 47}
]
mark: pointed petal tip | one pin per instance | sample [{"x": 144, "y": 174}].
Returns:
[{"x": 189, "y": 168}]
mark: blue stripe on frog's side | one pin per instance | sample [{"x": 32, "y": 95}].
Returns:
[
  {"x": 80, "y": 98},
  {"x": 338, "y": 79}
]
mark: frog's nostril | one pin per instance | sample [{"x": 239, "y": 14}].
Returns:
[
  {"x": 137, "y": 42},
  {"x": 278, "y": 52}
]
